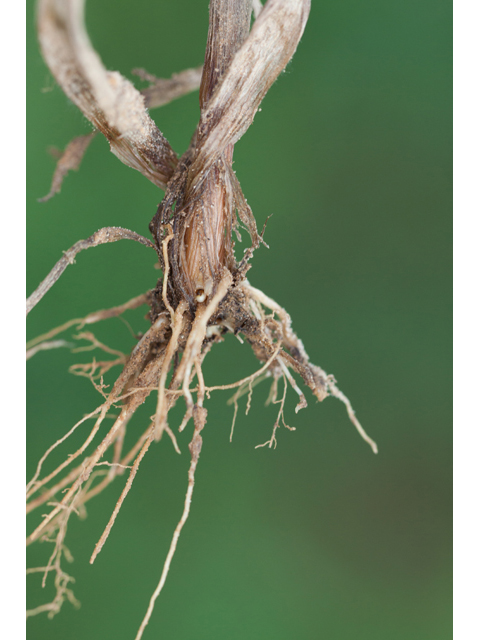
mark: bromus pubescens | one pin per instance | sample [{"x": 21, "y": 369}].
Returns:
[{"x": 204, "y": 293}]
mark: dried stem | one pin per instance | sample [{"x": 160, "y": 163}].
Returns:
[
  {"x": 102, "y": 236},
  {"x": 254, "y": 68},
  {"x": 106, "y": 98}
]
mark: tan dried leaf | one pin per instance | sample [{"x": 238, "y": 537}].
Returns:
[
  {"x": 265, "y": 53},
  {"x": 228, "y": 29},
  {"x": 106, "y": 98},
  {"x": 164, "y": 90},
  {"x": 69, "y": 160}
]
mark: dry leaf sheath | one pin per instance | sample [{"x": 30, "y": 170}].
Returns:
[{"x": 204, "y": 293}]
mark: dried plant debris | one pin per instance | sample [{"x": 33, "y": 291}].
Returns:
[
  {"x": 69, "y": 160},
  {"x": 204, "y": 293}
]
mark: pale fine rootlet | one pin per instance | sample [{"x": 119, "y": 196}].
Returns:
[{"x": 204, "y": 293}]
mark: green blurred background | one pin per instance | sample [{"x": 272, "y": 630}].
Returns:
[{"x": 351, "y": 153}]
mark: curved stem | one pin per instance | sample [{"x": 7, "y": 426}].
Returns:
[{"x": 102, "y": 236}]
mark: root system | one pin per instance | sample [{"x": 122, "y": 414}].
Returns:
[{"x": 204, "y": 293}]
